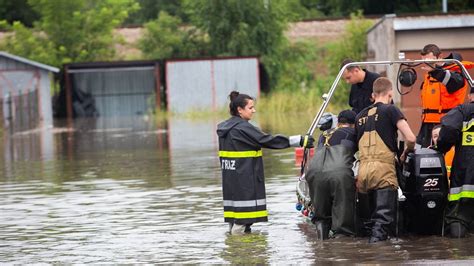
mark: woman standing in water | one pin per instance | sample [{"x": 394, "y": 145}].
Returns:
[{"x": 240, "y": 153}]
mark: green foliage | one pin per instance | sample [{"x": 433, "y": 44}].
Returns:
[
  {"x": 27, "y": 43},
  {"x": 353, "y": 45},
  {"x": 245, "y": 28},
  {"x": 422, "y": 6},
  {"x": 82, "y": 29},
  {"x": 74, "y": 31},
  {"x": 165, "y": 38},
  {"x": 20, "y": 10},
  {"x": 17, "y": 10},
  {"x": 290, "y": 102},
  {"x": 241, "y": 27},
  {"x": 150, "y": 9},
  {"x": 295, "y": 71},
  {"x": 4, "y": 25},
  {"x": 326, "y": 60},
  {"x": 335, "y": 7},
  {"x": 162, "y": 37},
  {"x": 232, "y": 28},
  {"x": 331, "y": 8}
]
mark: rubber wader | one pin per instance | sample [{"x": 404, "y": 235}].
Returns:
[{"x": 377, "y": 174}]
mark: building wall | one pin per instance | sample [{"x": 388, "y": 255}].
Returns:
[
  {"x": 46, "y": 108},
  {"x": 381, "y": 47},
  {"x": 206, "y": 84},
  {"x": 459, "y": 38},
  {"x": 115, "y": 91},
  {"x": 17, "y": 78}
]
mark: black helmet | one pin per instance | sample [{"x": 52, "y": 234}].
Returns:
[
  {"x": 326, "y": 121},
  {"x": 407, "y": 77}
]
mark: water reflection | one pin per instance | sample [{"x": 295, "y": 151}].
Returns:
[
  {"x": 136, "y": 191},
  {"x": 414, "y": 249},
  {"x": 246, "y": 249}
]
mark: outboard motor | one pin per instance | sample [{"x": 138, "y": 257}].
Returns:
[{"x": 426, "y": 189}]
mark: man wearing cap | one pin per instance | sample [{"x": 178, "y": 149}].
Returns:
[
  {"x": 331, "y": 179},
  {"x": 457, "y": 128}
]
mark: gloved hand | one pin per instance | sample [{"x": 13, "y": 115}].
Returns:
[
  {"x": 307, "y": 141},
  {"x": 438, "y": 73}
]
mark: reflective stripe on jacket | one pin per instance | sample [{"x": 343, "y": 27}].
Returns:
[
  {"x": 243, "y": 183},
  {"x": 244, "y": 189},
  {"x": 462, "y": 171}
]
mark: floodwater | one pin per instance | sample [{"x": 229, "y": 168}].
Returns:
[{"x": 131, "y": 190}]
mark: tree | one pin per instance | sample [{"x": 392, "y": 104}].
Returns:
[
  {"x": 333, "y": 8},
  {"x": 245, "y": 28},
  {"x": 150, "y": 9},
  {"x": 165, "y": 37},
  {"x": 17, "y": 10},
  {"x": 240, "y": 27},
  {"x": 29, "y": 44},
  {"x": 79, "y": 30}
]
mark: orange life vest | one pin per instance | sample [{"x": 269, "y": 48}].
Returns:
[
  {"x": 437, "y": 101},
  {"x": 448, "y": 160},
  {"x": 454, "y": 67}
]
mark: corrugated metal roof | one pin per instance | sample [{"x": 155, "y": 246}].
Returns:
[
  {"x": 433, "y": 22},
  {"x": 29, "y": 62},
  {"x": 111, "y": 64},
  {"x": 427, "y": 22}
]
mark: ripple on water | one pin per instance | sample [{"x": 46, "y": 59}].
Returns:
[{"x": 125, "y": 201}]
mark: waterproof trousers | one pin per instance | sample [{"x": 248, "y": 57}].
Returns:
[
  {"x": 459, "y": 216},
  {"x": 383, "y": 209},
  {"x": 333, "y": 197}
]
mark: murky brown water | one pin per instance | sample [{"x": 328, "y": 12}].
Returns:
[{"x": 135, "y": 191}]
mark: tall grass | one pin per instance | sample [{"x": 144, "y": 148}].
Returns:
[{"x": 282, "y": 102}]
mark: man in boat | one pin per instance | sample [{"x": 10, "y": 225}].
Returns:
[
  {"x": 331, "y": 179},
  {"x": 376, "y": 130},
  {"x": 362, "y": 82},
  {"x": 443, "y": 88}
]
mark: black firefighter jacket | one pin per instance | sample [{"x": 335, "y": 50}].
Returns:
[
  {"x": 240, "y": 153},
  {"x": 457, "y": 128}
]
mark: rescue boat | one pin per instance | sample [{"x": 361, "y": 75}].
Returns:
[{"x": 422, "y": 166}]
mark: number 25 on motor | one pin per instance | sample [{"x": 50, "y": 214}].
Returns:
[{"x": 431, "y": 182}]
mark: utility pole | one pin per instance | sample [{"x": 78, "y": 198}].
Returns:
[{"x": 445, "y": 6}]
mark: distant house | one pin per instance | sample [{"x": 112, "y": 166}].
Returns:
[
  {"x": 107, "y": 89},
  {"x": 393, "y": 35},
  {"x": 25, "y": 93},
  {"x": 129, "y": 88}
]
